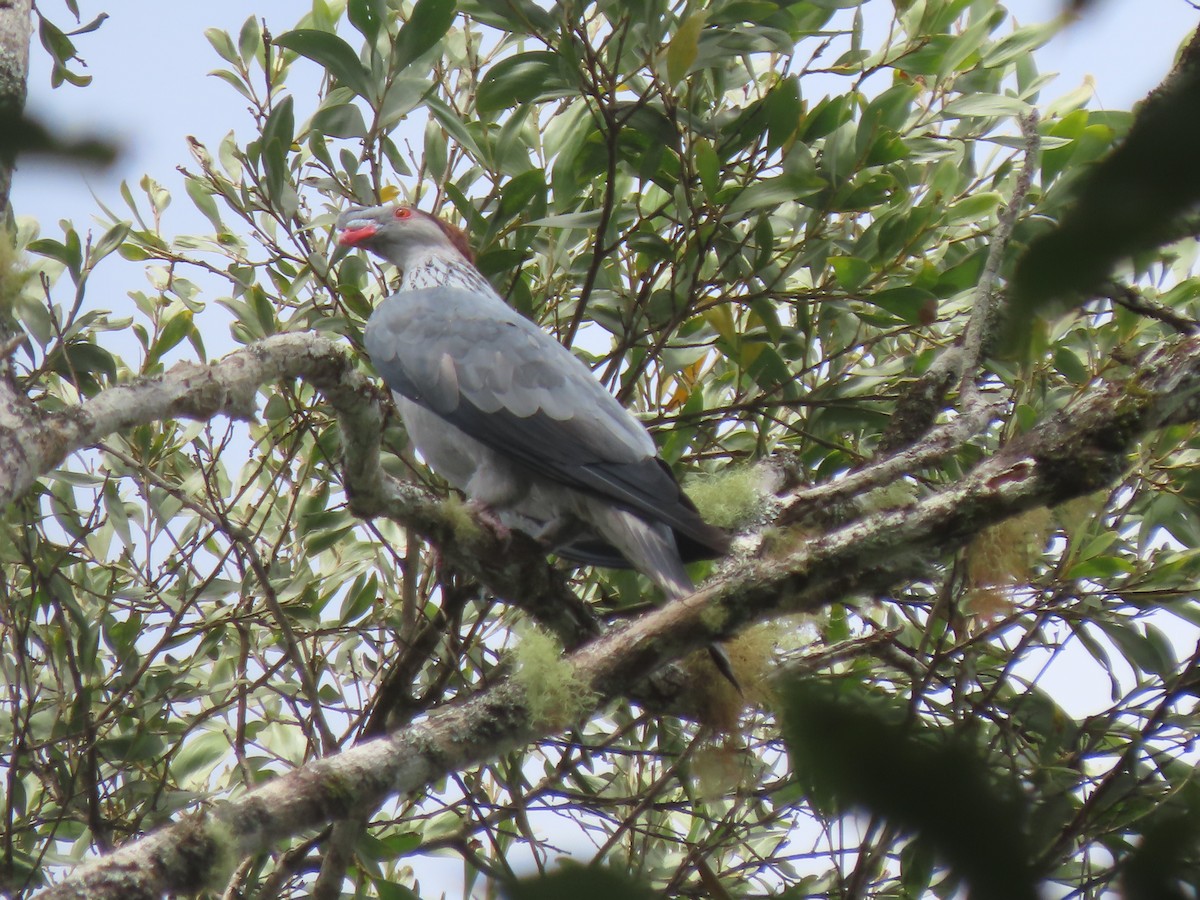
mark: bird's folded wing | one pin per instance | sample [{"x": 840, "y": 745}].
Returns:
[{"x": 500, "y": 379}]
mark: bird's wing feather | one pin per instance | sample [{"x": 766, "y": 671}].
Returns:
[{"x": 500, "y": 379}]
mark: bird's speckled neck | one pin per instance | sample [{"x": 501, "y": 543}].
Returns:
[{"x": 438, "y": 269}]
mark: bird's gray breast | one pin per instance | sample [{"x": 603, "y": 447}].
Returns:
[
  {"x": 474, "y": 468},
  {"x": 452, "y": 454}
]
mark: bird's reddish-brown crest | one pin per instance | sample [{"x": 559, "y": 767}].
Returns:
[{"x": 457, "y": 237}]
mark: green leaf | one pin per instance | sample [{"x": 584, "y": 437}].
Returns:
[
  {"x": 827, "y": 116},
  {"x": 684, "y": 46},
  {"x": 986, "y": 105},
  {"x": 773, "y": 191},
  {"x": 199, "y": 754},
  {"x": 978, "y": 208},
  {"x": 516, "y": 16},
  {"x": 850, "y": 271},
  {"x": 277, "y": 135},
  {"x": 109, "y": 241},
  {"x": 519, "y": 193},
  {"x": 1140, "y": 652},
  {"x": 344, "y": 120},
  {"x": 62, "y": 51},
  {"x": 1099, "y": 567},
  {"x": 886, "y": 114},
  {"x": 428, "y": 24},
  {"x": 783, "y": 111},
  {"x": 56, "y": 250},
  {"x": 250, "y": 40},
  {"x": 904, "y": 302},
  {"x": 234, "y": 80},
  {"x": 81, "y": 362},
  {"x": 708, "y": 166},
  {"x": 333, "y": 53},
  {"x": 223, "y": 44},
  {"x": 322, "y": 541},
  {"x": 454, "y": 125},
  {"x": 202, "y": 199},
  {"x": 1021, "y": 42},
  {"x": 768, "y": 368},
  {"x": 175, "y": 330},
  {"x": 367, "y": 16},
  {"x": 867, "y": 190},
  {"x": 520, "y": 79},
  {"x": 361, "y": 599},
  {"x": 436, "y": 149},
  {"x": 586, "y": 219},
  {"x": 1071, "y": 366},
  {"x": 961, "y": 276},
  {"x": 928, "y": 58}
]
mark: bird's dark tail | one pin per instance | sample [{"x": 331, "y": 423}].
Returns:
[
  {"x": 721, "y": 660},
  {"x": 650, "y": 547}
]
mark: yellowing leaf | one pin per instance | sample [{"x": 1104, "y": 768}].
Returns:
[
  {"x": 388, "y": 193},
  {"x": 751, "y": 349},
  {"x": 685, "y": 46},
  {"x": 685, "y": 382},
  {"x": 721, "y": 319}
]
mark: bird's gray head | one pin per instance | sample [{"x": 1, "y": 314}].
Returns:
[{"x": 401, "y": 234}]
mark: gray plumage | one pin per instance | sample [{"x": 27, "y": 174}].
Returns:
[{"x": 508, "y": 415}]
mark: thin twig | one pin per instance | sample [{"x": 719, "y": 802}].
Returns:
[
  {"x": 935, "y": 446},
  {"x": 987, "y": 299},
  {"x": 1132, "y": 300}
]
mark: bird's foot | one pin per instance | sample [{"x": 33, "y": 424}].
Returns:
[{"x": 486, "y": 514}]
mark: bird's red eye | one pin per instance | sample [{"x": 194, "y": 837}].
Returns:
[{"x": 403, "y": 212}]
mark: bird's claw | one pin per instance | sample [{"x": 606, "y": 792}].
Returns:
[{"x": 489, "y": 517}]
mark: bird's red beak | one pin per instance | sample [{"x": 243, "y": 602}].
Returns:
[{"x": 352, "y": 237}]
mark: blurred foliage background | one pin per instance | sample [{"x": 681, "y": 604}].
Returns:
[{"x": 761, "y": 223}]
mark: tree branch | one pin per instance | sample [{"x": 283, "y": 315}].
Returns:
[
  {"x": 187, "y": 391},
  {"x": 1135, "y": 302},
  {"x": 917, "y": 410},
  {"x": 14, "y": 72},
  {"x": 981, "y": 325},
  {"x": 828, "y": 500}
]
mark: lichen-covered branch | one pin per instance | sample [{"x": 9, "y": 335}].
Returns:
[
  {"x": 1135, "y": 301},
  {"x": 921, "y": 403},
  {"x": 981, "y": 325},
  {"x": 1081, "y": 450},
  {"x": 918, "y": 409},
  {"x": 187, "y": 391},
  {"x": 14, "y": 73}
]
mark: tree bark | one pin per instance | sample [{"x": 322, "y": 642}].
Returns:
[{"x": 14, "y": 76}]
